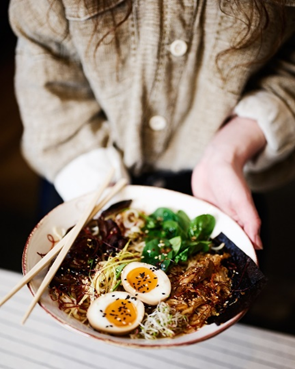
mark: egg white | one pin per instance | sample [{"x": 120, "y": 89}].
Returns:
[
  {"x": 160, "y": 293},
  {"x": 97, "y": 317}
]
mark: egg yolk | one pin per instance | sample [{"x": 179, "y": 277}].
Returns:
[
  {"x": 142, "y": 279},
  {"x": 121, "y": 313}
]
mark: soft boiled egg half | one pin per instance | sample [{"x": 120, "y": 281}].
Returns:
[
  {"x": 115, "y": 312},
  {"x": 146, "y": 282}
]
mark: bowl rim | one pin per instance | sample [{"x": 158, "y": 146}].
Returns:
[{"x": 109, "y": 338}]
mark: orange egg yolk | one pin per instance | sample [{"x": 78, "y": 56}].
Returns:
[
  {"x": 121, "y": 313},
  {"x": 142, "y": 279}
]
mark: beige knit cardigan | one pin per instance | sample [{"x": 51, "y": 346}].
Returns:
[{"x": 161, "y": 63}]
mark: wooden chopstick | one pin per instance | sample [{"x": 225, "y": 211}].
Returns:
[
  {"x": 55, "y": 266},
  {"x": 55, "y": 250},
  {"x": 36, "y": 269}
]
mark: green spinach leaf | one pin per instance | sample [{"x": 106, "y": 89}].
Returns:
[
  {"x": 164, "y": 214},
  {"x": 151, "y": 252},
  {"x": 201, "y": 227},
  {"x": 173, "y": 237},
  {"x": 183, "y": 220}
]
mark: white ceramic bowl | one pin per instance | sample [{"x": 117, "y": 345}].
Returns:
[{"x": 147, "y": 199}]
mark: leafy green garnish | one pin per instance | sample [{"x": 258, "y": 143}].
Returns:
[
  {"x": 164, "y": 214},
  {"x": 183, "y": 220},
  {"x": 151, "y": 251},
  {"x": 201, "y": 227},
  {"x": 173, "y": 237}
]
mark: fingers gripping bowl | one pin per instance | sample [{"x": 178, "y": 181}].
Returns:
[{"x": 148, "y": 199}]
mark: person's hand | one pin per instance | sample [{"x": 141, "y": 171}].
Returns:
[{"x": 218, "y": 178}]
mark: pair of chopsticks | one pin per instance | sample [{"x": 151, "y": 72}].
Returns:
[{"x": 63, "y": 246}]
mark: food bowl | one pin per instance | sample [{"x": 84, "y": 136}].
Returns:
[{"x": 147, "y": 199}]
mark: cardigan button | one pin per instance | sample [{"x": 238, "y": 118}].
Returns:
[
  {"x": 157, "y": 123},
  {"x": 178, "y": 48}
]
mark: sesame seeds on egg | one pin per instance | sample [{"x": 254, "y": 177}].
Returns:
[
  {"x": 146, "y": 282},
  {"x": 115, "y": 312}
]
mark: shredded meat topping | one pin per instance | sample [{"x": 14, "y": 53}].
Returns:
[{"x": 200, "y": 288}]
